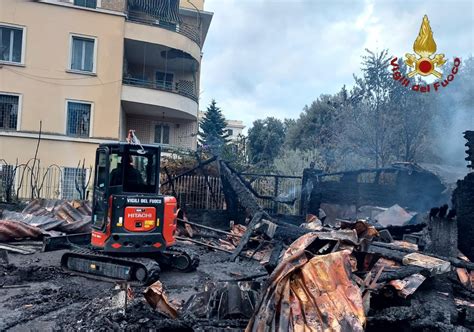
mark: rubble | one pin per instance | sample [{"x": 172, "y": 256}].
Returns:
[
  {"x": 45, "y": 217},
  {"x": 155, "y": 296},
  {"x": 260, "y": 272},
  {"x": 11, "y": 230},
  {"x": 305, "y": 293},
  {"x": 406, "y": 184},
  {"x": 394, "y": 216},
  {"x": 463, "y": 201},
  {"x": 229, "y": 304}
]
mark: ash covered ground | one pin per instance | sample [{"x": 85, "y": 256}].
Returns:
[{"x": 54, "y": 300}]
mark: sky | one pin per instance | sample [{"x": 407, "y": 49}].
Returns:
[{"x": 272, "y": 57}]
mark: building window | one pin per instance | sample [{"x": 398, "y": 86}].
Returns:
[
  {"x": 8, "y": 112},
  {"x": 162, "y": 134},
  {"x": 78, "y": 119},
  {"x": 83, "y": 54},
  {"x": 11, "y": 44},
  {"x": 86, "y": 3},
  {"x": 164, "y": 80},
  {"x": 73, "y": 183},
  {"x": 230, "y": 132}
]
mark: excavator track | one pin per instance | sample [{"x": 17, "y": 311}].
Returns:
[
  {"x": 140, "y": 271},
  {"x": 180, "y": 257},
  {"x": 93, "y": 264}
]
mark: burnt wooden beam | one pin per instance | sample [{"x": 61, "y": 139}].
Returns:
[
  {"x": 397, "y": 253},
  {"x": 246, "y": 237},
  {"x": 401, "y": 273},
  {"x": 274, "y": 259},
  {"x": 244, "y": 195},
  {"x": 171, "y": 182}
]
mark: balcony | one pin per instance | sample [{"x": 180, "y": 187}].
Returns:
[
  {"x": 190, "y": 31},
  {"x": 168, "y": 132},
  {"x": 184, "y": 88},
  {"x": 160, "y": 76},
  {"x": 158, "y": 103}
]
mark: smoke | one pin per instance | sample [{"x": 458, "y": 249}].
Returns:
[
  {"x": 450, "y": 139},
  {"x": 454, "y": 115}
]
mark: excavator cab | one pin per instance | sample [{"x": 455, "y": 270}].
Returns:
[
  {"x": 128, "y": 212},
  {"x": 133, "y": 225}
]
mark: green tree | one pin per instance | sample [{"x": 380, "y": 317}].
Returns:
[
  {"x": 318, "y": 128},
  {"x": 212, "y": 133},
  {"x": 370, "y": 121},
  {"x": 413, "y": 113},
  {"x": 315, "y": 126},
  {"x": 265, "y": 139}
]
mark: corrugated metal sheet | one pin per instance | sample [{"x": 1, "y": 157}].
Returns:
[
  {"x": 11, "y": 230},
  {"x": 310, "y": 294},
  {"x": 44, "y": 216}
]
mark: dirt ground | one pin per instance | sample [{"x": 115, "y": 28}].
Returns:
[{"x": 54, "y": 300}]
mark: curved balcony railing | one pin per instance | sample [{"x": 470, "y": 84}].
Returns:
[
  {"x": 161, "y": 85},
  {"x": 184, "y": 29}
]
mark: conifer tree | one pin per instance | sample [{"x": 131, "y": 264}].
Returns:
[{"x": 212, "y": 132}]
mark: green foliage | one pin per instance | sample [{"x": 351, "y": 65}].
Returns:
[
  {"x": 313, "y": 126},
  {"x": 235, "y": 152},
  {"x": 212, "y": 135},
  {"x": 294, "y": 161},
  {"x": 265, "y": 139}
]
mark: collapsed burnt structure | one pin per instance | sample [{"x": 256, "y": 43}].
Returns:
[
  {"x": 267, "y": 271},
  {"x": 463, "y": 201},
  {"x": 405, "y": 184}
]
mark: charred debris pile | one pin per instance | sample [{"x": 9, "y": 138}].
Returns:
[{"x": 329, "y": 269}]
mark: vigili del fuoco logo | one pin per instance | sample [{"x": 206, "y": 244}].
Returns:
[{"x": 425, "y": 62}]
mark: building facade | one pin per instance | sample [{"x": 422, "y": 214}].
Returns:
[
  {"x": 234, "y": 129},
  {"x": 87, "y": 71}
]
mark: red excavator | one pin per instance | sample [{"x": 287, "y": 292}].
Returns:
[{"x": 133, "y": 225}]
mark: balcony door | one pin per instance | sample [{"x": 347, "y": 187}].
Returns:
[{"x": 162, "y": 133}]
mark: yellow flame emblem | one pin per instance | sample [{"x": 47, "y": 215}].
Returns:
[{"x": 425, "y": 47}]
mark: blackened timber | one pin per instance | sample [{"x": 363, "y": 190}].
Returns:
[
  {"x": 397, "y": 232},
  {"x": 443, "y": 236},
  {"x": 406, "y": 184},
  {"x": 274, "y": 259},
  {"x": 244, "y": 195},
  {"x": 246, "y": 237},
  {"x": 397, "y": 253},
  {"x": 288, "y": 233},
  {"x": 309, "y": 175},
  {"x": 463, "y": 201},
  {"x": 401, "y": 273},
  {"x": 216, "y": 230},
  {"x": 184, "y": 239},
  {"x": 170, "y": 181}
]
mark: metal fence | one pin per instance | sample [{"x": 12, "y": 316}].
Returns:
[
  {"x": 275, "y": 193},
  {"x": 188, "y": 30},
  {"x": 53, "y": 182},
  {"x": 279, "y": 193},
  {"x": 180, "y": 89},
  {"x": 196, "y": 191}
]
